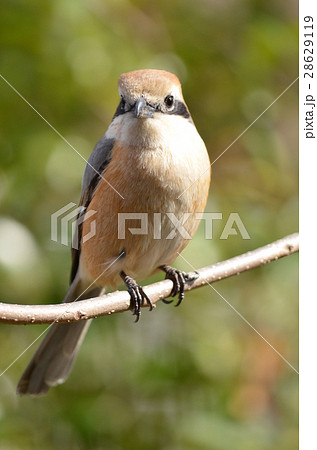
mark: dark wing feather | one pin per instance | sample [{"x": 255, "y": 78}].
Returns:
[{"x": 97, "y": 162}]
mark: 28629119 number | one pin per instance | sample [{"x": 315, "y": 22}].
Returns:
[{"x": 309, "y": 47}]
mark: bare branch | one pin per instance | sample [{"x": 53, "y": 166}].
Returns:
[{"x": 119, "y": 301}]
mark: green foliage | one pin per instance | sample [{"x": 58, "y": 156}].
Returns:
[{"x": 196, "y": 377}]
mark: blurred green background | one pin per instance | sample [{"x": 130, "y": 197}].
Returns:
[{"x": 196, "y": 377}]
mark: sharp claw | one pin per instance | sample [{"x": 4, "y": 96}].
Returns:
[
  {"x": 139, "y": 302},
  {"x": 180, "y": 298},
  {"x": 176, "y": 287},
  {"x": 137, "y": 296},
  {"x": 145, "y": 297},
  {"x": 137, "y": 318},
  {"x": 182, "y": 282},
  {"x": 133, "y": 300},
  {"x": 179, "y": 280},
  {"x": 167, "y": 302}
]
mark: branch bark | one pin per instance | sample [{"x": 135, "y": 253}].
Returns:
[{"x": 119, "y": 301}]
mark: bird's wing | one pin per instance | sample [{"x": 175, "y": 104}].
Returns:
[
  {"x": 97, "y": 161},
  {"x": 96, "y": 164}
]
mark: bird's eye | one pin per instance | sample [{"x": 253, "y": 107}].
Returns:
[
  {"x": 169, "y": 101},
  {"x": 122, "y": 104}
]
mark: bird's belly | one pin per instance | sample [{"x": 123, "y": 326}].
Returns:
[
  {"x": 155, "y": 239},
  {"x": 143, "y": 229}
]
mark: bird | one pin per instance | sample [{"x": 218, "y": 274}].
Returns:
[{"x": 151, "y": 162}]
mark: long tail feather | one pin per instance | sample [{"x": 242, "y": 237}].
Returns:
[{"x": 53, "y": 360}]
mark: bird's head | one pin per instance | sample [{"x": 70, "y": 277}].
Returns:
[{"x": 147, "y": 93}]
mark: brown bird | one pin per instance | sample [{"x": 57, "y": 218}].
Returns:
[{"x": 152, "y": 166}]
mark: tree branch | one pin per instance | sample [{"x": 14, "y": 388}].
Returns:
[{"x": 119, "y": 301}]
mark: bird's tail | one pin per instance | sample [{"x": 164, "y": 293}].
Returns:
[{"x": 53, "y": 360}]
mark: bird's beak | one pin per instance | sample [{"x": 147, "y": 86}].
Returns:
[{"x": 142, "y": 109}]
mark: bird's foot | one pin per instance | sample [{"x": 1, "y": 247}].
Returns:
[
  {"x": 179, "y": 280},
  {"x": 137, "y": 295}
]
